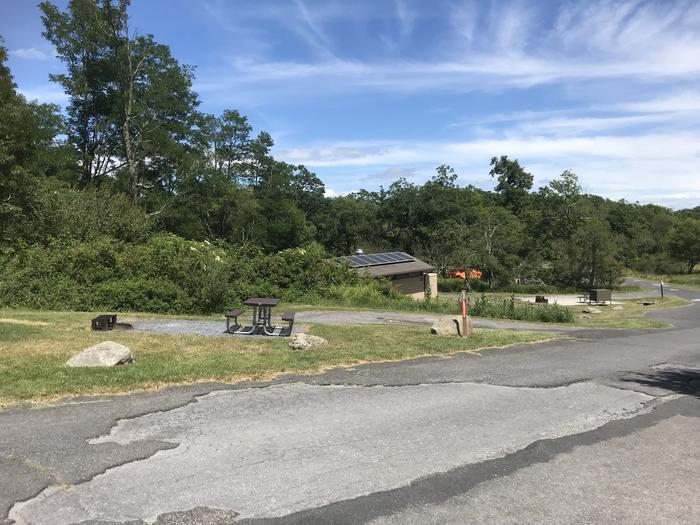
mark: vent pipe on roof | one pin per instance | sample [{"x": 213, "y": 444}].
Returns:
[{"x": 359, "y": 251}]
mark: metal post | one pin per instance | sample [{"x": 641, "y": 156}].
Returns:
[
  {"x": 464, "y": 313},
  {"x": 662, "y": 289}
]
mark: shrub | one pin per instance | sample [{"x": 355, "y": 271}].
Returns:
[
  {"x": 455, "y": 285},
  {"x": 483, "y": 306},
  {"x": 169, "y": 274},
  {"x": 141, "y": 295}
]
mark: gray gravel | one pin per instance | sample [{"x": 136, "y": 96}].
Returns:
[{"x": 186, "y": 327}]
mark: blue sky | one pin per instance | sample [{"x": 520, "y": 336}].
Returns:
[{"x": 365, "y": 92}]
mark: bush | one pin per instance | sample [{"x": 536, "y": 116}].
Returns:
[
  {"x": 447, "y": 284},
  {"x": 658, "y": 263},
  {"x": 168, "y": 274},
  {"x": 483, "y": 306},
  {"x": 139, "y": 295}
]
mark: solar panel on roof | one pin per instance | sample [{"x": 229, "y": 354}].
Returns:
[
  {"x": 382, "y": 257},
  {"x": 376, "y": 259}
]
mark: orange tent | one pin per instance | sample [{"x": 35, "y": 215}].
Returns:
[{"x": 473, "y": 274}]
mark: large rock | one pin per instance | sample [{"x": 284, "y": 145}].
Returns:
[
  {"x": 592, "y": 310},
  {"x": 306, "y": 341},
  {"x": 618, "y": 308},
  {"x": 107, "y": 353},
  {"x": 446, "y": 326}
]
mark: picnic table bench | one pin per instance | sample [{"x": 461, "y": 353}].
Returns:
[
  {"x": 233, "y": 314},
  {"x": 288, "y": 316}
]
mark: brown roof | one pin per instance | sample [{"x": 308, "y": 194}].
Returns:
[{"x": 385, "y": 270}]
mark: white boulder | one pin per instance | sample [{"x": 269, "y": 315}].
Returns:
[
  {"x": 446, "y": 326},
  {"x": 306, "y": 341},
  {"x": 107, "y": 353},
  {"x": 592, "y": 310}
]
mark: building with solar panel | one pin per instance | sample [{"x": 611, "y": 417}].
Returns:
[{"x": 409, "y": 275}]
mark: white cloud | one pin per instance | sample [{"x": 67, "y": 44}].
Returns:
[
  {"x": 329, "y": 192},
  {"x": 406, "y": 17},
  {"x": 47, "y": 95},
  {"x": 680, "y": 101},
  {"x": 29, "y": 53},
  {"x": 649, "y": 168},
  {"x": 589, "y": 41}
]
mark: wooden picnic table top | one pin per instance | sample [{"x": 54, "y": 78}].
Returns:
[{"x": 261, "y": 301}]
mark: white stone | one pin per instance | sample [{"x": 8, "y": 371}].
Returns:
[
  {"x": 306, "y": 341},
  {"x": 591, "y": 310},
  {"x": 107, "y": 353},
  {"x": 617, "y": 308},
  {"x": 446, "y": 326}
]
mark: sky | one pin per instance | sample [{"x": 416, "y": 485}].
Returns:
[{"x": 365, "y": 92}]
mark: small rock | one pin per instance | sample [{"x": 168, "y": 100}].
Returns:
[
  {"x": 306, "y": 341},
  {"x": 591, "y": 310},
  {"x": 107, "y": 353},
  {"x": 196, "y": 516},
  {"x": 446, "y": 326},
  {"x": 585, "y": 316},
  {"x": 617, "y": 308}
]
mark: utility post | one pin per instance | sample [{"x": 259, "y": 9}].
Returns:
[{"x": 465, "y": 317}]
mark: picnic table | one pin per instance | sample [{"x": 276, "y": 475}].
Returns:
[
  {"x": 262, "y": 318},
  {"x": 262, "y": 314}
]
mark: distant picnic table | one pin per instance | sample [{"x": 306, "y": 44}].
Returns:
[{"x": 262, "y": 318}]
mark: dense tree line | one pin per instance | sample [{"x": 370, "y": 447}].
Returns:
[{"x": 131, "y": 157}]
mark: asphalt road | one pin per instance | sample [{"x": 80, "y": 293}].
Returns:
[{"x": 601, "y": 430}]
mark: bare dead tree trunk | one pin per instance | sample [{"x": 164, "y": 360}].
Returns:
[{"x": 128, "y": 108}]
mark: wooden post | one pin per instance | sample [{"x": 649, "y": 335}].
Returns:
[
  {"x": 464, "y": 313},
  {"x": 662, "y": 289}
]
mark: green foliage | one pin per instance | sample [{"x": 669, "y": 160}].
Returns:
[
  {"x": 589, "y": 258},
  {"x": 66, "y": 213},
  {"x": 453, "y": 285},
  {"x": 483, "y": 306},
  {"x": 169, "y": 274},
  {"x": 514, "y": 182},
  {"x": 190, "y": 212},
  {"x": 684, "y": 242},
  {"x": 28, "y": 155}
]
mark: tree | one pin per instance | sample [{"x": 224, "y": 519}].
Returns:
[
  {"x": 684, "y": 242},
  {"x": 446, "y": 246},
  {"x": 514, "y": 182},
  {"x": 29, "y": 155},
  {"x": 80, "y": 37},
  {"x": 495, "y": 240},
  {"x": 232, "y": 145},
  {"x": 589, "y": 258},
  {"x": 131, "y": 103},
  {"x": 566, "y": 192}
]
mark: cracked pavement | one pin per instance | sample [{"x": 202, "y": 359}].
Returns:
[{"x": 598, "y": 430}]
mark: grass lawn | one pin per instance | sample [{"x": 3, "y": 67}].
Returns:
[
  {"x": 34, "y": 347},
  {"x": 631, "y": 317}
]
